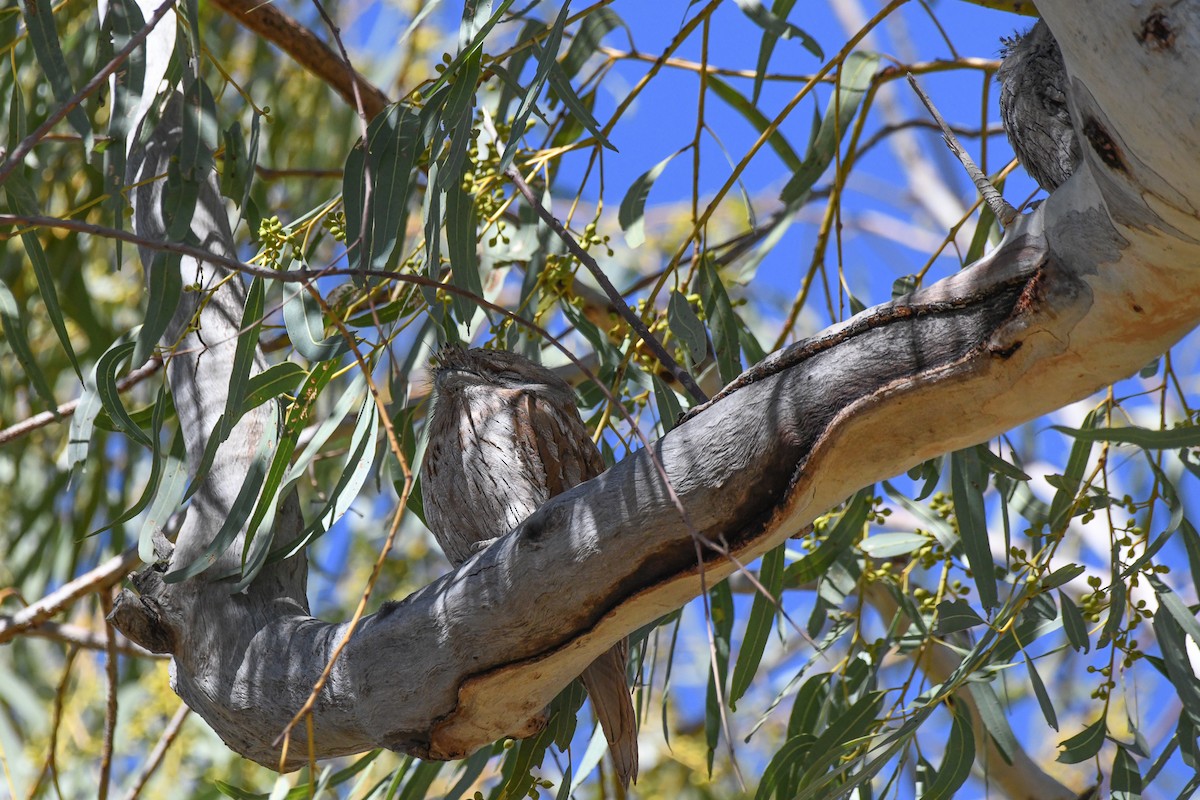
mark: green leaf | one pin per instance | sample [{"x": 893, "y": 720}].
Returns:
[
  {"x": 956, "y": 615},
  {"x": 781, "y": 776},
  {"x": 890, "y": 545},
  {"x": 721, "y": 607},
  {"x": 1062, "y": 575},
  {"x": 1169, "y": 439},
  {"x": 967, "y": 482},
  {"x": 459, "y": 116},
  {"x": 375, "y": 232},
  {"x": 1126, "y": 782},
  {"x": 560, "y": 84},
  {"x": 278, "y": 379},
  {"x": 853, "y": 78},
  {"x": 22, "y": 200},
  {"x": 1072, "y": 477},
  {"x": 1116, "y": 613},
  {"x": 244, "y": 353},
  {"x": 1039, "y": 691},
  {"x": 521, "y": 119},
  {"x": 122, "y": 20},
  {"x": 39, "y": 22},
  {"x": 806, "y": 709},
  {"x": 758, "y": 626},
  {"x": 305, "y": 324},
  {"x": 998, "y": 465},
  {"x": 1083, "y": 745},
  {"x": 958, "y": 758},
  {"x": 167, "y": 498},
  {"x": 1073, "y": 624},
  {"x": 722, "y": 322},
  {"x": 110, "y": 396},
  {"x": 757, "y": 120},
  {"x": 360, "y": 458},
  {"x": 686, "y": 326},
  {"x": 594, "y": 27},
  {"x": 842, "y": 733},
  {"x": 461, "y": 227},
  {"x": 156, "y": 472},
  {"x": 1169, "y": 600},
  {"x": 776, "y": 26},
  {"x": 994, "y": 721},
  {"x": 836, "y": 542},
  {"x": 79, "y": 436},
  {"x": 239, "y": 511},
  {"x": 164, "y": 290},
  {"x": 631, "y": 214},
  {"x": 669, "y": 409},
  {"x": 12, "y": 318}
]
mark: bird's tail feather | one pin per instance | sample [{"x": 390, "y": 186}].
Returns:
[{"x": 609, "y": 692}]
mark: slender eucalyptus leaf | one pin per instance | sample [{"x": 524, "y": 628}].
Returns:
[
  {"x": 305, "y": 324},
  {"x": 1126, "y": 782},
  {"x": 39, "y": 23},
  {"x": 1039, "y": 691},
  {"x": 1083, "y": 745},
  {"x": 521, "y": 120},
  {"x": 956, "y": 615},
  {"x": 968, "y": 481},
  {"x": 994, "y": 720},
  {"x": 686, "y": 326},
  {"x": 958, "y": 758},
  {"x": 12, "y": 319},
  {"x": 758, "y": 624},
  {"x": 854, "y": 78},
  {"x": 1074, "y": 624},
  {"x": 22, "y": 200},
  {"x": 631, "y": 214}
]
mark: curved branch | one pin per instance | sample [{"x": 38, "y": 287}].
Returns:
[{"x": 1080, "y": 293}]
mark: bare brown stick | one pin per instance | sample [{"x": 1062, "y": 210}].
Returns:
[
  {"x": 68, "y": 408},
  {"x": 101, "y": 578},
  {"x": 306, "y": 50},
  {"x": 99, "y": 79},
  {"x": 83, "y": 638},
  {"x": 160, "y": 750},
  {"x": 110, "y": 707},
  {"x": 996, "y": 202},
  {"x": 614, "y": 296}
]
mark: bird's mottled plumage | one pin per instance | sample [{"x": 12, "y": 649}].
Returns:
[
  {"x": 1034, "y": 109},
  {"x": 505, "y": 436}
]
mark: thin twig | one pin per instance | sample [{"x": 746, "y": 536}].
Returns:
[
  {"x": 50, "y": 765},
  {"x": 110, "y": 707},
  {"x": 102, "y": 577},
  {"x": 996, "y": 202},
  {"x": 160, "y": 750},
  {"x": 82, "y": 637},
  {"x": 17, "y": 156},
  {"x": 614, "y": 296},
  {"x": 43, "y": 419}
]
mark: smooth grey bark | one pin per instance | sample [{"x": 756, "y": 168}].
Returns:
[{"x": 1083, "y": 291}]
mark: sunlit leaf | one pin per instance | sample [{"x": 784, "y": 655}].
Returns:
[
  {"x": 631, "y": 214},
  {"x": 968, "y": 481},
  {"x": 1083, "y": 745},
  {"x": 758, "y": 625},
  {"x": 958, "y": 759}
]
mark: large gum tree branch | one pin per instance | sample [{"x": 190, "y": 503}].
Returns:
[{"x": 1083, "y": 291}]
